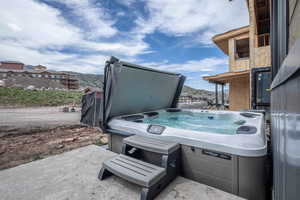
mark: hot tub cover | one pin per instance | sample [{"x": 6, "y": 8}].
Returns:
[{"x": 130, "y": 88}]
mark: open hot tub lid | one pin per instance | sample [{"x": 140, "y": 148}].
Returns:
[{"x": 130, "y": 88}]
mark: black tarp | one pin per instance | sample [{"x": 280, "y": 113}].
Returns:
[{"x": 91, "y": 109}]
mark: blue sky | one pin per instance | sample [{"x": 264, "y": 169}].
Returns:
[{"x": 79, "y": 35}]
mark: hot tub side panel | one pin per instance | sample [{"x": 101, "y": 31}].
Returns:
[
  {"x": 210, "y": 170},
  {"x": 243, "y": 176}
]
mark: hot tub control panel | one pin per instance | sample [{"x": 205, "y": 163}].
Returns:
[{"x": 156, "y": 129}]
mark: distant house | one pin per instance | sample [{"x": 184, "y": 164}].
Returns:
[
  {"x": 185, "y": 98},
  {"x": 11, "y": 65},
  {"x": 16, "y": 69},
  {"x": 249, "y": 54},
  {"x": 188, "y": 99}
]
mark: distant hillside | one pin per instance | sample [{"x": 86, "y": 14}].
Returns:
[
  {"x": 89, "y": 80},
  {"x": 23, "y": 98},
  {"x": 93, "y": 80},
  {"x": 197, "y": 92}
]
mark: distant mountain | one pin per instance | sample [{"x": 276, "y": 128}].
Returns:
[
  {"x": 197, "y": 92},
  {"x": 207, "y": 97},
  {"x": 89, "y": 80},
  {"x": 95, "y": 80}
]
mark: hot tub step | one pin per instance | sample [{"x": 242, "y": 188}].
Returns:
[
  {"x": 152, "y": 174},
  {"x": 151, "y": 177},
  {"x": 133, "y": 170},
  {"x": 151, "y": 144}
]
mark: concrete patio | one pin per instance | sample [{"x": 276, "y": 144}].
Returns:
[{"x": 73, "y": 175}]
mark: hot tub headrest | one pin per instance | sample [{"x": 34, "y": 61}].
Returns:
[
  {"x": 133, "y": 117},
  {"x": 151, "y": 114},
  {"x": 246, "y": 130},
  {"x": 173, "y": 110}
]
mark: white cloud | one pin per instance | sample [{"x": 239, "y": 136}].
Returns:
[
  {"x": 96, "y": 21},
  {"x": 202, "y": 75},
  {"x": 35, "y": 25},
  {"x": 130, "y": 47},
  {"x": 35, "y": 33},
  {"x": 204, "y": 65},
  {"x": 193, "y": 17},
  {"x": 54, "y": 60}
]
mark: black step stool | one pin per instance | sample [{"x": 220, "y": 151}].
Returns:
[{"x": 153, "y": 175}]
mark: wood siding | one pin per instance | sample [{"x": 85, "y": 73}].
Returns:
[{"x": 239, "y": 94}]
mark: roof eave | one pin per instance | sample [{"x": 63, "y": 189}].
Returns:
[{"x": 221, "y": 40}]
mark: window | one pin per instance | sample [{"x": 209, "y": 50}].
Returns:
[
  {"x": 242, "y": 48},
  {"x": 261, "y": 82},
  {"x": 263, "y": 40}
]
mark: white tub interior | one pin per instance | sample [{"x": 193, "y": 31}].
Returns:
[{"x": 215, "y": 130}]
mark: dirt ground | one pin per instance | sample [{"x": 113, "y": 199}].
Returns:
[
  {"x": 16, "y": 149},
  {"x": 40, "y": 118}
]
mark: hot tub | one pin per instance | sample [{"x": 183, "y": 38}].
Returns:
[
  {"x": 223, "y": 149},
  {"x": 237, "y": 133}
]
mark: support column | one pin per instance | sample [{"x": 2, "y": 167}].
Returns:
[
  {"x": 223, "y": 100},
  {"x": 216, "y": 94}
]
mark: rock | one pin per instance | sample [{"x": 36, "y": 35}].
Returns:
[
  {"x": 103, "y": 140},
  {"x": 30, "y": 87},
  {"x": 70, "y": 139},
  {"x": 65, "y": 109},
  {"x": 60, "y": 146},
  {"x": 2, "y": 83},
  {"x": 2, "y": 151}
]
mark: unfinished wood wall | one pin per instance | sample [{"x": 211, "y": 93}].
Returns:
[
  {"x": 262, "y": 57},
  {"x": 237, "y": 64},
  {"x": 259, "y": 56},
  {"x": 239, "y": 94}
]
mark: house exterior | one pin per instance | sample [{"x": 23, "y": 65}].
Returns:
[
  {"x": 11, "y": 65},
  {"x": 189, "y": 99},
  {"x": 249, "y": 54},
  {"x": 185, "y": 98},
  {"x": 17, "y": 69}
]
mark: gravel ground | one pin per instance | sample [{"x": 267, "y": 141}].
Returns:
[
  {"x": 28, "y": 120},
  {"x": 41, "y": 115}
]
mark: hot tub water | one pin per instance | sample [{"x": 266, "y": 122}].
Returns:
[{"x": 204, "y": 122}]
